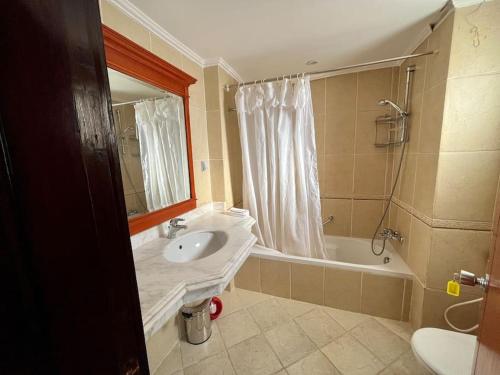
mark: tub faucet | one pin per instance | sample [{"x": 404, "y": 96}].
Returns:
[
  {"x": 173, "y": 227},
  {"x": 390, "y": 234}
]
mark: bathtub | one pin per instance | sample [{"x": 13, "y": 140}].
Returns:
[
  {"x": 348, "y": 253},
  {"x": 352, "y": 278}
]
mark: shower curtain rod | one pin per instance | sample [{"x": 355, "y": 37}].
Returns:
[{"x": 227, "y": 87}]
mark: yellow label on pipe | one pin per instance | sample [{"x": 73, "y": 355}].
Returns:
[{"x": 453, "y": 288}]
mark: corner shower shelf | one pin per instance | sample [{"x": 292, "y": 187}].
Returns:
[{"x": 387, "y": 129}]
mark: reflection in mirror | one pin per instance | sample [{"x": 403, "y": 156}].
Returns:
[{"x": 151, "y": 135}]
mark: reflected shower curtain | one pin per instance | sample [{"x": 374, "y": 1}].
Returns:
[
  {"x": 280, "y": 178},
  {"x": 162, "y": 142}
]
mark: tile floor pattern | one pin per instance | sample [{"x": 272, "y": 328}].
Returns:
[{"x": 259, "y": 334}]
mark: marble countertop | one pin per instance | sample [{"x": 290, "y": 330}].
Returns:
[{"x": 164, "y": 286}]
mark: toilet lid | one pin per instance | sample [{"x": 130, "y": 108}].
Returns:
[{"x": 445, "y": 352}]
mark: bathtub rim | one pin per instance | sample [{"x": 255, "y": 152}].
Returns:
[{"x": 398, "y": 267}]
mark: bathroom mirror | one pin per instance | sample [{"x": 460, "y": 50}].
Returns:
[{"x": 151, "y": 121}]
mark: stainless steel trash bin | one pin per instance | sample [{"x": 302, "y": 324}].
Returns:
[{"x": 197, "y": 322}]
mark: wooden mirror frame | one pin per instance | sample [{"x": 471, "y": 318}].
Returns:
[{"x": 131, "y": 59}]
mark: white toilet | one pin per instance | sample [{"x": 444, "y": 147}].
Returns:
[{"x": 444, "y": 352}]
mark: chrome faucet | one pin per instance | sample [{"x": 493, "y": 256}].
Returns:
[
  {"x": 174, "y": 227},
  {"x": 390, "y": 234}
]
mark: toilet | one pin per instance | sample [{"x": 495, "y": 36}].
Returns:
[{"x": 444, "y": 352}]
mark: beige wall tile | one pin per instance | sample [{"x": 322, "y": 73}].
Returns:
[
  {"x": 307, "y": 283},
  {"x": 114, "y": 18},
  {"x": 211, "y": 80},
  {"x": 471, "y": 121},
  {"x": 366, "y": 215},
  {"x": 436, "y": 301},
  {"x": 341, "y": 94},
  {"x": 469, "y": 178},
  {"x": 339, "y": 133},
  {"x": 338, "y": 175},
  {"x": 403, "y": 226},
  {"x": 318, "y": 93},
  {"x": 369, "y": 174},
  {"x": 217, "y": 180},
  {"x": 214, "y": 134},
  {"x": 407, "y": 300},
  {"x": 166, "y": 51},
  {"x": 382, "y": 296},
  {"x": 388, "y": 172},
  {"x": 320, "y": 164},
  {"x": 343, "y": 289},
  {"x": 192, "y": 68},
  {"x": 366, "y": 132},
  {"x": 420, "y": 244},
  {"x": 202, "y": 183},
  {"x": 440, "y": 39},
  {"x": 432, "y": 118},
  {"x": 417, "y": 305},
  {"x": 414, "y": 122},
  {"x": 466, "y": 59},
  {"x": 405, "y": 188},
  {"x": 275, "y": 277},
  {"x": 425, "y": 183},
  {"x": 453, "y": 250},
  {"x": 341, "y": 210},
  {"x": 319, "y": 132},
  {"x": 248, "y": 277},
  {"x": 393, "y": 215},
  {"x": 373, "y": 85},
  {"x": 198, "y": 134},
  {"x": 197, "y": 96}
]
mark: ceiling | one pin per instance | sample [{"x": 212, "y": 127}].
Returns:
[{"x": 265, "y": 38}]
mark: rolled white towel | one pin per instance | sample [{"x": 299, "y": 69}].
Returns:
[{"x": 238, "y": 212}]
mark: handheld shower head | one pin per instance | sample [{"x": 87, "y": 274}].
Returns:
[{"x": 393, "y": 105}]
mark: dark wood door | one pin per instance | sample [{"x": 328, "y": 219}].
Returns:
[
  {"x": 488, "y": 355},
  {"x": 69, "y": 295}
]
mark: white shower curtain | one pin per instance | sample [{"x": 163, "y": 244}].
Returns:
[
  {"x": 280, "y": 178},
  {"x": 162, "y": 142}
]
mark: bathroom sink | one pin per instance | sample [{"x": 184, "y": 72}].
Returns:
[{"x": 194, "y": 246}]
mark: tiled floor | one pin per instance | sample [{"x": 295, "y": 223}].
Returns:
[{"x": 261, "y": 334}]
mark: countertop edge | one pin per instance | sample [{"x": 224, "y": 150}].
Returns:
[{"x": 186, "y": 292}]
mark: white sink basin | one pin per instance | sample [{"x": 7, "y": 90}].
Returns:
[{"x": 195, "y": 245}]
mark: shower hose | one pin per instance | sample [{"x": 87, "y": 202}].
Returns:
[
  {"x": 465, "y": 330},
  {"x": 387, "y": 206}
]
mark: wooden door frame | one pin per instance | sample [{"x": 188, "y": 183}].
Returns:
[{"x": 70, "y": 302}]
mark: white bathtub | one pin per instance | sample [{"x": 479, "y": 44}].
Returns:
[{"x": 347, "y": 253}]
